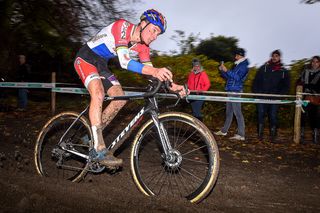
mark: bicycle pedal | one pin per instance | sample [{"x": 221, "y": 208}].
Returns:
[{"x": 95, "y": 167}]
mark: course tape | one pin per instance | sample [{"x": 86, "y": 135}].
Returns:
[
  {"x": 70, "y": 90},
  {"x": 74, "y": 90},
  {"x": 242, "y": 100},
  {"x": 244, "y": 94},
  {"x": 192, "y": 97},
  {"x": 30, "y": 84},
  {"x": 26, "y": 85}
]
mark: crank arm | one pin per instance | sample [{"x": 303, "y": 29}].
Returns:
[
  {"x": 76, "y": 153},
  {"x": 69, "y": 167}
]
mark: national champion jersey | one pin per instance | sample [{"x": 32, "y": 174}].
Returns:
[{"x": 110, "y": 40}]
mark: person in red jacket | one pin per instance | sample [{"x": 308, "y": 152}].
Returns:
[{"x": 198, "y": 80}]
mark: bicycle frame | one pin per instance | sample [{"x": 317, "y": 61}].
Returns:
[
  {"x": 150, "y": 108},
  {"x": 172, "y": 152}
]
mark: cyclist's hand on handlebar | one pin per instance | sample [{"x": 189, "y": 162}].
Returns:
[
  {"x": 163, "y": 74},
  {"x": 179, "y": 89}
]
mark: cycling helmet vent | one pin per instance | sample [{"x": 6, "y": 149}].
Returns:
[{"x": 156, "y": 18}]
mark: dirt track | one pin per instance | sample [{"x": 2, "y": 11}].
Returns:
[{"x": 254, "y": 177}]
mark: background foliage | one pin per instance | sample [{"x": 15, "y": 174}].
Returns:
[{"x": 50, "y": 32}]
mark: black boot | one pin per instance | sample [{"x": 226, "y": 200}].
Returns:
[
  {"x": 302, "y": 135},
  {"x": 315, "y": 135},
  {"x": 273, "y": 134},
  {"x": 260, "y": 131}
]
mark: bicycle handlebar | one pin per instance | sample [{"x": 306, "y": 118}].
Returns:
[
  {"x": 167, "y": 84},
  {"x": 153, "y": 88},
  {"x": 156, "y": 84}
]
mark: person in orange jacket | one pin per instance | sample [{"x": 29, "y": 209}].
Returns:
[{"x": 198, "y": 80}]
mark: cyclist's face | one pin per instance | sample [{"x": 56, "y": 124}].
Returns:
[{"x": 150, "y": 33}]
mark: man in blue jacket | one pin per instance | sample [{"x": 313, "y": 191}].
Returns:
[
  {"x": 271, "y": 78},
  {"x": 234, "y": 83}
]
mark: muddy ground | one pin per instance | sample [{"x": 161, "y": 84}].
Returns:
[{"x": 254, "y": 176}]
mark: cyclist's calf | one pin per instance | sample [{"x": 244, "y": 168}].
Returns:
[
  {"x": 114, "y": 107},
  {"x": 111, "y": 111}
]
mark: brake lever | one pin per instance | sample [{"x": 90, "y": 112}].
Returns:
[
  {"x": 168, "y": 84},
  {"x": 175, "y": 104},
  {"x": 185, "y": 86}
]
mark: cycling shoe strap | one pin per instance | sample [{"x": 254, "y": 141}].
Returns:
[{"x": 98, "y": 155}]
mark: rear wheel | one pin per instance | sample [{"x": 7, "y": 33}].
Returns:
[
  {"x": 51, "y": 159},
  {"x": 193, "y": 164}
]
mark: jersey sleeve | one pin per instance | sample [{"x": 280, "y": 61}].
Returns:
[
  {"x": 121, "y": 31},
  {"x": 143, "y": 53},
  {"x": 126, "y": 62}
]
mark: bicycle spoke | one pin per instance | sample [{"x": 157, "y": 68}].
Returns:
[
  {"x": 196, "y": 161},
  {"x": 177, "y": 183},
  {"x": 158, "y": 175},
  {"x": 71, "y": 166},
  {"x": 195, "y": 176},
  {"x": 194, "y": 150},
  {"x": 186, "y": 185},
  {"x": 187, "y": 138},
  {"x": 159, "y": 179},
  {"x": 187, "y": 171}
]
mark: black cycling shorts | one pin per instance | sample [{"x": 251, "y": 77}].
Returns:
[{"x": 90, "y": 66}]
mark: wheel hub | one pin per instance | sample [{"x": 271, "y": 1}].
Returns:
[
  {"x": 59, "y": 153},
  {"x": 173, "y": 159}
]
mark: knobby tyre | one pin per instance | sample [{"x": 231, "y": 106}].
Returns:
[
  {"x": 51, "y": 160},
  {"x": 195, "y": 169}
]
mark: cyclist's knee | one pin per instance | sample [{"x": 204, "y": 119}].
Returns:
[
  {"x": 96, "y": 90},
  {"x": 115, "y": 91},
  {"x": 98, "y": 95}
]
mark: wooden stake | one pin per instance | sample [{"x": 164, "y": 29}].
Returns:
[{"x": 297, "y": 116}]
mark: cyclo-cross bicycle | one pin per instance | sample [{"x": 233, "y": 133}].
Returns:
[{"x": 172, "y": 153}]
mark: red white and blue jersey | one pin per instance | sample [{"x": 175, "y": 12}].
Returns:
[{"x": 114, "y": 40}]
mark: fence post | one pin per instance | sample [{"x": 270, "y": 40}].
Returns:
[
  {"x": 53, "y": 94},
  {"x": 297, "y": 116}
]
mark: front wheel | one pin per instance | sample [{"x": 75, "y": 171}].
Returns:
[
  {"x": 67, "y": 159},
  {"x": 193, "y": 167}
]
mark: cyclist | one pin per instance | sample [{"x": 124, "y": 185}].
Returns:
[{"x": 128, "y": 42}]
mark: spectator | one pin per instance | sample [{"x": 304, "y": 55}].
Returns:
[
  {"x": 310, "y": 80},
  {"x": 271, "y": 78},
  {"x": 198, "y": 80},
  {"x": 22, "y": 75},
  {"x": 235, "y": 79}
]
